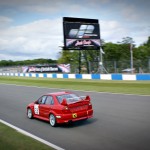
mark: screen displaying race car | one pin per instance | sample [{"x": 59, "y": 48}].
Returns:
[{"x": 61, "y": 107}]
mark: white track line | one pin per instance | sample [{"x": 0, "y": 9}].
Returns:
[{"x": 31, "y": 135}]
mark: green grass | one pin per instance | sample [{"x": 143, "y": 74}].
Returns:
[
  {"x": 10, "y": 139},
  {"x": 126, "y": 87}
]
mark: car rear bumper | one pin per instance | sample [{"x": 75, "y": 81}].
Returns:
[{"x": 72, "y": 117}]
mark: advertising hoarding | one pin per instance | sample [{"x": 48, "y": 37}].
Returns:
[{"x": 59, "y": 68}]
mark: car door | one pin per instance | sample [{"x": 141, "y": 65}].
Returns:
[
  {"x": 41, "y": 102},
  {"x": 47, "y": 106}
]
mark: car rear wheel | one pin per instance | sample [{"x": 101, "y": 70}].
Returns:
[
  {"x": 29, "y": 113},
  {"x": 52, "y": 120}
]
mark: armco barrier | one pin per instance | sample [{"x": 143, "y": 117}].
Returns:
[{"x": 83, "y": 76}]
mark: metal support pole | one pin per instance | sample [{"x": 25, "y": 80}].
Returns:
[
  {"x": 131, "y": 61},
  {"x": 101, "y": 61},
  {"x": 115, "y": 66},
  {"x": 149, "y": 65},
  {"x": 101, "y": 67},
  {"x": 79, "y": 61}
]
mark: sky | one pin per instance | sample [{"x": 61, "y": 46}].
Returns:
[{"x": 31, "y": 29}]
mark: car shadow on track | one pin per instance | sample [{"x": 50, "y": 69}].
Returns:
[
  {"x": 78, "y": 123},
  {"x": 72, "y": 124}
]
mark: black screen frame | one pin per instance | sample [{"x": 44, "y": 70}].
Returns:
[{"x": 84, "y": 34}]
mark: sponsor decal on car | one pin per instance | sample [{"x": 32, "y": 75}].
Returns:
[
  {"x": 74, "y": 115},
  {"x": 36, "y": 109}
]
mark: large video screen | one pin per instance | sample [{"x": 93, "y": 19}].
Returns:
[{"x": 81, "y": 33}]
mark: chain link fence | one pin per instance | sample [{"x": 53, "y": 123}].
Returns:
[
  {"x": 140, "y": 66},
  {"x": 12, "y": 69}
]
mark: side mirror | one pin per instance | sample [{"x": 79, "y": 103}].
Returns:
[
  {"x": 88, "y": 98},
  {"x": 64, "y": 102},
  {"x": 36, "y": 102}
]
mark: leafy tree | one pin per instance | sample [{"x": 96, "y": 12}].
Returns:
[
  {"x": 127, "y": 40},
  {"x": 112, "y": 52},
  {"x": 147, "y": 43}
]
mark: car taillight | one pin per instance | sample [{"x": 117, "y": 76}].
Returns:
[
  {"x": 65, "y": 109},
  {"x": 90, "y": 106}
]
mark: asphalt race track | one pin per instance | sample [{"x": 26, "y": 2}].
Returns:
[{"x": 120, "y": 122}]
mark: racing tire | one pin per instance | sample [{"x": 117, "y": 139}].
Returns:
[
  {"x": 29, "y": 113},
  {"x": 52, "y": 120}
]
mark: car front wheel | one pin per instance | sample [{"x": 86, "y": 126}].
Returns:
[
  {"x": 52, "y": 120},
  {"x": 29, "y": 113}
]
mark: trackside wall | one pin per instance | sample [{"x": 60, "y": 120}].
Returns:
[{"x": 82, "y": 76}]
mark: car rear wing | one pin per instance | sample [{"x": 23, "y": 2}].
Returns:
[{"x": 66, "y": 101}]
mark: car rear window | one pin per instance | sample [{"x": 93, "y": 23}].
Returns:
[{"x": 69, "y": 97}]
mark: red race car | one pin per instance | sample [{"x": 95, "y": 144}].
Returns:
[{"x": 60, "y": 107}]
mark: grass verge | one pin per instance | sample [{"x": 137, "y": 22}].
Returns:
[
  {"x": 126, "y": 87},
  {"x": 10, "y": 139}
]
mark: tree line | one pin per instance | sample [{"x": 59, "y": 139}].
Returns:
[
  {"x": 114, "y": 52},
  {"x": 5, "y": 63}
]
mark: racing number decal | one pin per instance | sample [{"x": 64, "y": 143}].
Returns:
[
  {"x": 36, "y": 109},
  {"x": 74, "y": 115}
]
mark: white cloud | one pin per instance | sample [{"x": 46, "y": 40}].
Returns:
[
  {"x": 41, "y": 39},
  {"x": 34, "y": 40},
  {"x": 112, "y": 31},
  {"x": 5, "y": 21}
]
